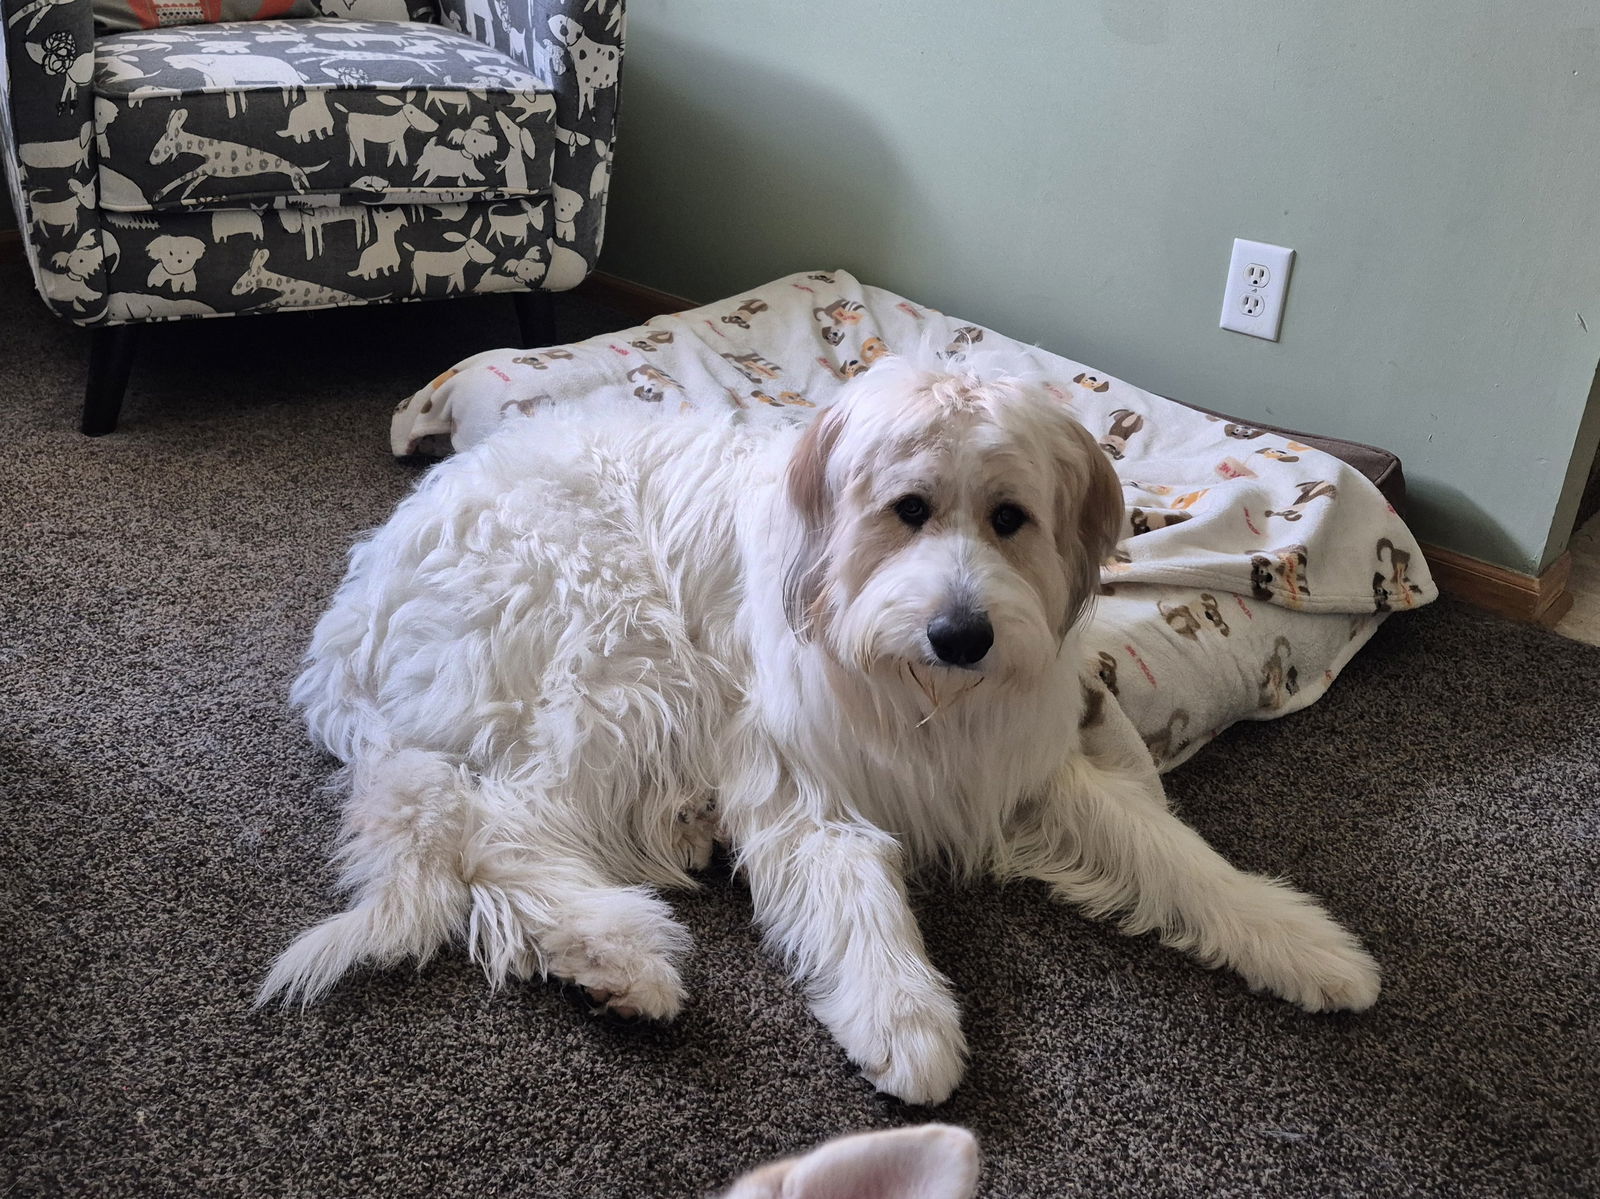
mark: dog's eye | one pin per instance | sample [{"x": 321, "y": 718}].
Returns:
[
  {"x": 1007, "y": 519},
  {"x": 912, "y": 509}
]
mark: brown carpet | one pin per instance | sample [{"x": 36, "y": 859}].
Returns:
[{"x": 162, "y": 836}]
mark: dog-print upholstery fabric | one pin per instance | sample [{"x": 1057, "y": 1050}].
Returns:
[
  {"x": 112, "y": 236},
  {"x": 1252, "y": 567},
  {"x": 575, "y": 47},
  {"x": 123, "y": 16},
  {"x": 224, "y": 115},
  {"x": 244, "y": 261}
]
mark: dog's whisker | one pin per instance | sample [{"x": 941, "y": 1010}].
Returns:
[{"x": 924, "y": 687}]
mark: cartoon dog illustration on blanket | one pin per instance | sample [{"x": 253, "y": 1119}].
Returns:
[
  {"x": 1279, "y": 678},
  {"x": 652, "y": 341},
  {"x": 784, "y": 399},
  {"x": 1146, "y": 520},
  {"x": 1106, "y": 671},
  {"x": 873, "y": 349},
  {"x": 1170, "y": 741},
  {"x": 1395, "y": 586},
  {"x": 542, "y": 360},
  {"x": 1212, "y": 611},
  {"x": 843, "y": 371},
  {"x": 740, "y": 315},
  {"x": 1124, "y": 424},
  {"x": 1281, "y": 574},
  {"x": 1316, "y": 490},
  {"x": 835, "y": 317},
  {"x": 962, "y": 340},
  {"x": 1180, "y": 619},
  {"x": 654, "y": 383},
  {"x": 527, "y": 406},
  {"x": 754, "y": 367}
]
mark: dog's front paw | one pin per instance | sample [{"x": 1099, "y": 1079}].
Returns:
[
  {"x": 1337, "y": 976},
  {"x": 909, "y": 1044},
  {"x": 1308, "y": 958}
]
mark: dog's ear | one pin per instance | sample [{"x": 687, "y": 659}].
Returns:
[
  {"x": 1089, "y": 522},
  {"x": 812, "y": 500},
  {"x": 933, "y": 1161}
]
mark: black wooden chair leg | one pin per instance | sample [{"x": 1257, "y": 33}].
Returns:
[
  {"x": 110, "y": 360},
  {"x": 536, "y": 318}
]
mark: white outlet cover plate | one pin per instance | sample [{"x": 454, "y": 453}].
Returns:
[{"x": 1244, "y": 288}]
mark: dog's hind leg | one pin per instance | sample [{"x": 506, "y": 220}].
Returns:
[
  {"x": 1106, "y": 841},
  {"x": 541, "y": 905},
  {"x": 621, "y": 945},
  {"x": 406, "y": 821},
  {"x": 433, "y": 854}
]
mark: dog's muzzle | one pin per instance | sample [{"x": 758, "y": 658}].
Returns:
[{"x": 961, "y": 638}]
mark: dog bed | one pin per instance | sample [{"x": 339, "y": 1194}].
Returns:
[{"x": 1255, "y": 565}]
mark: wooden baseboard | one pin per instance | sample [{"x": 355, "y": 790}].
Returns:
[
  {"x": 1535, "y": 599},
  {"x": 10, "y": 246},
  {"x": 633, "y": 298}
]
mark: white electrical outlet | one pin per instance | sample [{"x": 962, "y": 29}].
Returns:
[{"x": 1252, "y": 297}]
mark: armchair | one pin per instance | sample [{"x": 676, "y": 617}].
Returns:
[{"x": 210, "y": 170}]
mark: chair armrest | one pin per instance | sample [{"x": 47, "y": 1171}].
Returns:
[
  {"x": 575, "y": 48},
  {"x": 545, "y": 36},
  {"x": 47, "y": 140}
]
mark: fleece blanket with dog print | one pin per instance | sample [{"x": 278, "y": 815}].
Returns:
[{"x": 1253, "y": 568}]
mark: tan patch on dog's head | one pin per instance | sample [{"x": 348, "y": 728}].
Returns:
[
  {"x": 1090, "y": 515},
  {"x": 809, "y": 493}
]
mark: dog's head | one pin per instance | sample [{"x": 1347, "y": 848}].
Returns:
[{"x": 950, "y": 521}]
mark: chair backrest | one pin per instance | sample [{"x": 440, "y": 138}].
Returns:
[{"x": 125, "y": 16}]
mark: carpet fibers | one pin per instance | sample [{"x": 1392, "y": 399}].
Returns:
[{"x": 163, "y": 836}]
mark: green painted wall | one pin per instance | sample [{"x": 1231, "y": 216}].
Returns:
[{"x": 1073, "y": 173}]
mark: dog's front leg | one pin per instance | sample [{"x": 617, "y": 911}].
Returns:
[
  {"x": 1105, "y": 839},
  {"x": 832, "y": 898}
]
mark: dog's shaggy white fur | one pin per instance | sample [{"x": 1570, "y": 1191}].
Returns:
[{"x": 585, "y": 647}]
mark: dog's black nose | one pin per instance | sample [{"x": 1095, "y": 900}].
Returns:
[{"x": 960, "y": 638}]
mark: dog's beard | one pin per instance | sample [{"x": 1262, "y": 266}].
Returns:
[{"x": 882, "y": 638}]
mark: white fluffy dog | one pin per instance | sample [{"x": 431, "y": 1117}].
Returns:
[{"x": 588, "y": 645}]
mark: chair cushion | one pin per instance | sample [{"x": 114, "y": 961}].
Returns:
[
  {"x": 220, "y": 116},
  {"x": 176, "y": 265},
  {"x": 120, "y": 16}
]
